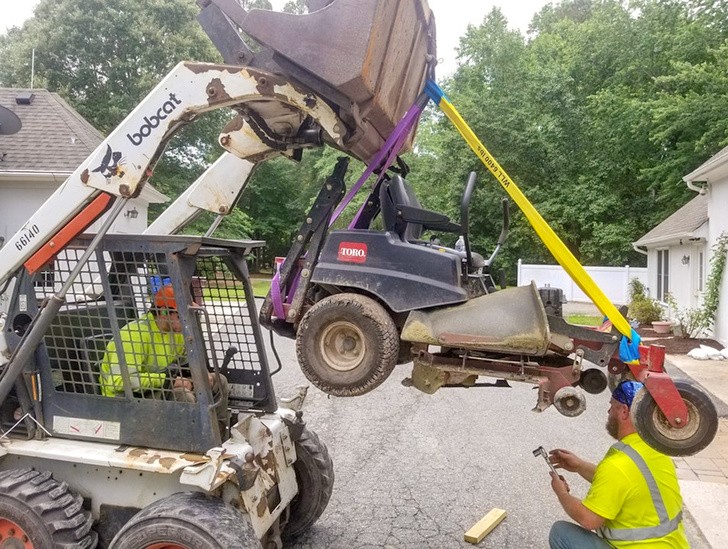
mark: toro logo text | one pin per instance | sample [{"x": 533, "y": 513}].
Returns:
[{"x": 352, "y": 252}]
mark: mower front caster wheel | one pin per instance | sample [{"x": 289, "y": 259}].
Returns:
[
  {"x": 653, "y": 427},
  {"x": 347, "y": 344}
]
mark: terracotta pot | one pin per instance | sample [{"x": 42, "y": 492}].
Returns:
[{"x": 662, "y": 326}]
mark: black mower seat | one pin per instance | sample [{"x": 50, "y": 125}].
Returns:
[{"x": 403, "y": 214}]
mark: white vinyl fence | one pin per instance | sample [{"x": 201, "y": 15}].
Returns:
[{"x": 614, "y": 281}]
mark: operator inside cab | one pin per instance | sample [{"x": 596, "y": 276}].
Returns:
[{"x": 150, "y": 346}]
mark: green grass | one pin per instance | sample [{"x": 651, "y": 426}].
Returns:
[
  {"x": 585, "y": 320},
  {"x": 260, "y": 286},
  {"x": 223, "y": 294},
  {"x": 260, "y": 289}
]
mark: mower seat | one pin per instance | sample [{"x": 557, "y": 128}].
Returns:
[{"x": 403, "y": 215}]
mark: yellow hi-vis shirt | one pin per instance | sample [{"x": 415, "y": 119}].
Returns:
[
  {"x": 621, "y": 494},
  {"x": 147, "y": 351}
]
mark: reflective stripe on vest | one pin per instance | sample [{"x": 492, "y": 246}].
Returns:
[{"x": 666, "y": 525}]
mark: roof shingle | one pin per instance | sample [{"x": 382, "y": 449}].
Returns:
[
  {"x": 680, "y": 224},
  {"x": 54, "y": 137}
]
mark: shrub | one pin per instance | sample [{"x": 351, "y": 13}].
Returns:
[
  {"x": 646, "y": 310},
  {"x": 642, "y": 308},
  {"x": 637, "y": 290}
]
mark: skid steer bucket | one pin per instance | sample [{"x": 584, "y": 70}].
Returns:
[
  {"x": 509, "y": 321},
  {"x": 367, "y": 58}
]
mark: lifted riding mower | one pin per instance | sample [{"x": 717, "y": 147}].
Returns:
[{"x": 359, "y": 301}]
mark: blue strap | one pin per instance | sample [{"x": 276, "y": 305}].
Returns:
[{"x": 629, "y": 348}]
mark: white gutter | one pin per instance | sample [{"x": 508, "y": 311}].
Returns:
[
  {"x": 148, "y": 194},
  {"x": 700, "y": 189},
  {"x": 58, "y": 177},
  {"x": 639, "y": 250}
]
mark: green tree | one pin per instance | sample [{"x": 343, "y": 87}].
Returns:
[{"x": 596, "y": 118}]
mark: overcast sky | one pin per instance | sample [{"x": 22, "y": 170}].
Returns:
[{"x": 452, "y": 18}]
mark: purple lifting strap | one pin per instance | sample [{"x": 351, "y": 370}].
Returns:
[{"x": 382, "y": 161}]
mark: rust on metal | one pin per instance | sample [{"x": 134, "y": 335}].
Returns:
[
  {"x": 266, "y": 81},
  {"x": 196, "y": 458},
  {"x": 262, "y": 508},
  {"x": 216, "y": 92},
  {"x": 201, "y": 68},
  {"x": 167, "y": 462},
  {"x": 234, "y": 125},
  {"x": 432, "y": 371},
  {"x": 84, "y": 176}
]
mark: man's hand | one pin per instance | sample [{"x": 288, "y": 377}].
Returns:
[
  {"x": 559, "y": 484},
  {"x": 182, "y": 383},
  {"x": 564, "y": 459}
]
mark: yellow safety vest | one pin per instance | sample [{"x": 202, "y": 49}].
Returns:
[
  {"x": 147, "y": 352},
  {"x": 641, "y": 503}
]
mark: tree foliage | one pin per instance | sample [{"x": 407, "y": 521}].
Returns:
[{"x": 596, "y": 114}]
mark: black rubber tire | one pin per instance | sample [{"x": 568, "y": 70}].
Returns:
[
  {"x": 349, "y": 319},
  {"x": 190, "y": 519},
  {"x": 47, "y": 511},
  {"x": 654, "y": 429},
  {"x": 315, "y": 477}
]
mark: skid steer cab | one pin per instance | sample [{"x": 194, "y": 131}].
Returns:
[
  {"x": 145, "y": 415},
  {"x": 361, "y": 300}
]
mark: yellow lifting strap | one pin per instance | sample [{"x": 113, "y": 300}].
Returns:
[{"x": 558, "y": 249}]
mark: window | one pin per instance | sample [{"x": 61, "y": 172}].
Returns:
[{"x": 663, "y": 274}]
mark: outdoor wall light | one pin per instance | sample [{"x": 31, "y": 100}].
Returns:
[
  {"x": 685, "y": 259},
  {"x": 132, "y": 214}
]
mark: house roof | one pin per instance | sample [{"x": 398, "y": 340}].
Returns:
[
  {"x": 716, "y": 167},
  {"x": 53, "y": 136},
  {"x": 54, "y": 139},
  {"x": 681, "y": 224}
]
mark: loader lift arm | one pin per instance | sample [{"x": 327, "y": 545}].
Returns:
[{"x": 125, "y": 159}]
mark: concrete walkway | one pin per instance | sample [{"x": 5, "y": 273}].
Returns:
[{"x": 704, "y": 476}]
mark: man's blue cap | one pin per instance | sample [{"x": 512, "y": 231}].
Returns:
[{"x": 626, "y": 391}]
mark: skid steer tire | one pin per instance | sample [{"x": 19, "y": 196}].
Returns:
[
  {"x": 315, "y": 477},
  {"x": 347, "y": 344},
  {"x": 189, "y": 520},
  {"x": 654, "y": 429},
  {"x": 38, "y": 511}
]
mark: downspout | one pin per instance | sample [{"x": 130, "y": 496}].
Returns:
[
  {"x": 639, "y": 250},
  {"x": 700, "y": 189}
]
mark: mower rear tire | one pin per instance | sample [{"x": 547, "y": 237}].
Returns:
[
  {"x": 315, "y": 476},
  {"x": 188, "y": 520},
  {"x": 37, "y": 511},
  {"x": 347, "y": 344},
  {"x": 653, "y": 427}
]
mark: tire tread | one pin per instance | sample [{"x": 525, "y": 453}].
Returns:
[{"x": 67, "y": 523}]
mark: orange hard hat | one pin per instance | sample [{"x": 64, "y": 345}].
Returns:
[{"x": 164, "y": 298}]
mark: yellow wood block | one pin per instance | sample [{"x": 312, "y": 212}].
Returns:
[{"x": 485, "y": 525}]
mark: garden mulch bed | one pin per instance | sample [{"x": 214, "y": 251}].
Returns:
[{"x": 674, "y": 345}]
